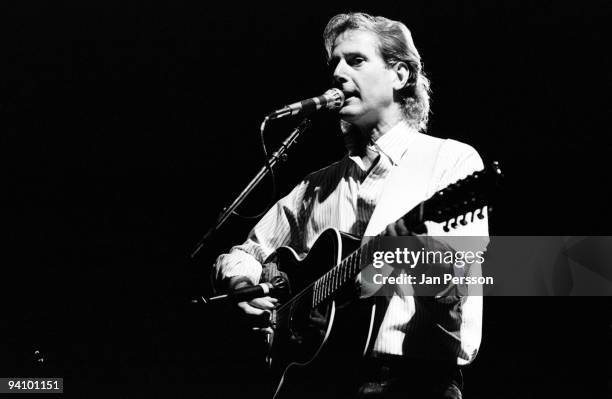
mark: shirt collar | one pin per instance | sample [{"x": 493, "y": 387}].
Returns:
[{"x": 396, "y": 141}]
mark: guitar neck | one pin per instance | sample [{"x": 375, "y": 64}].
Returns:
[
  {"x": 450, "y": 206},
  {"x": 347, "y": 270}
]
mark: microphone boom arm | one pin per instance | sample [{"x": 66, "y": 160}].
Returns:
[{"x": 272, "y": 161}]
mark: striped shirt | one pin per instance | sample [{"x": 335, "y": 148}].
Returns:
[{"x": 344, "y": 196}]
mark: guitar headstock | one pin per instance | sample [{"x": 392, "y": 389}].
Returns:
[{"x": 453, "y": 204}]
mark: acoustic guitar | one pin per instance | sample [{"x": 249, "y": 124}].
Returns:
[{"x": 324, "y": 308}]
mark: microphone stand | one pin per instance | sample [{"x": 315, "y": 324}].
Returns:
[{"x": 279, "y": 155}]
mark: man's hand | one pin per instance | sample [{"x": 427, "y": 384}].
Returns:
[
  {"x": 256, "y": 310},
  {"x": 397, "y": 229}
]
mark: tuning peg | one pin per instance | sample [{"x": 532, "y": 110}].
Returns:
[
  {"x": 480, "y": 214},
  {"x": 445, "y": 227},
  {"x": 463, "y": 222},
  {"x": 489, "y": 209},
  {"x": 454, "y": 224}
]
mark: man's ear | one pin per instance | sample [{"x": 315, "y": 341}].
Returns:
[{"x": 402, "y": 74}]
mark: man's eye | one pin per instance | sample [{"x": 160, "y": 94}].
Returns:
[{"x": 357, "y": 61}]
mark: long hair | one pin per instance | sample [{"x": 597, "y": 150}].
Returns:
[{"x": 395, "y": 45}]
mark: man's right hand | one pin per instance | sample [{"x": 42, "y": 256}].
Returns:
[{"x": 257, "y": 308}]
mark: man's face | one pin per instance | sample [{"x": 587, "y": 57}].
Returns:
[{"x": 359, "y": 70}]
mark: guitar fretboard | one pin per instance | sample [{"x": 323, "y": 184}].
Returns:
[{"x": 347, "y": 270}]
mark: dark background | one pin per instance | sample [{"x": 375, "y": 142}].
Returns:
[{"x": 126, "y": 127}]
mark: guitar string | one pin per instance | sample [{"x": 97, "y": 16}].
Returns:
[
  {"x": 283, "y": 310},
  {"x": 299, "y": 297}
]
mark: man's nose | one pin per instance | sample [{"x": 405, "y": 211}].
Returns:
[{"x": 339, "y": 74}]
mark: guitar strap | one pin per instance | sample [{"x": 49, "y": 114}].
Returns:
[
  {"x": 408, "y": 184},
  {"x": 411, "y": 182}
]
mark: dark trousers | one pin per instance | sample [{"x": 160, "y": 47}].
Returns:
[
  {"x": 392, "y": 377},
  {"x": 395, "y": 378}
]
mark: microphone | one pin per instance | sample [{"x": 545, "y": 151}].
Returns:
[
  {"x": 278, "y": 286},
  {"x": 331, "y": 99}
]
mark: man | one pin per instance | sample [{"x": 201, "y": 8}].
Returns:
[{"x": 390, "y": 167}]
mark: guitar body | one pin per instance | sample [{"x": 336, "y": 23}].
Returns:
[{"x": 305, "y": 338}]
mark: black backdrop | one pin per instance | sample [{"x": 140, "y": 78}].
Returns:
[{"x": 127, "y": 126}]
